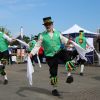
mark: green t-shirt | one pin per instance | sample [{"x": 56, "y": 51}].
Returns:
[
  {"x": 51, "y": 45},
  {"x": 31, "y": 45},
  {"x": 3, "y": 43},
  {"x": 81, "y": 41}
]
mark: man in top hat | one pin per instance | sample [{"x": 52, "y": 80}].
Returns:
[{"x": 51, "y": 40}]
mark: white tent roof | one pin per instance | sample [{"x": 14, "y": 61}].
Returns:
[{"x": 75, "y": 29}]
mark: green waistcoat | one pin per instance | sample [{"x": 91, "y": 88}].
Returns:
[
  {"x": 51, "y": 45},
  {"x": 81, "y": 41},
  {"x": 31, "y": 45},
  {"x": 3, "y": 43}
]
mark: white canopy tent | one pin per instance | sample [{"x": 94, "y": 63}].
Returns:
[{"x": 75, "y": 29}]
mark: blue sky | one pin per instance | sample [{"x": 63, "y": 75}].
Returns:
[{"x": 65, "y": 13}]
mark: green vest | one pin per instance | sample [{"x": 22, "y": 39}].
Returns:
[
  {"x": 3, "y": 43},
  {"x": 31, "y": 45},
  {"x": 51, "y": 45},
  {"x": 81, "y": 41}
]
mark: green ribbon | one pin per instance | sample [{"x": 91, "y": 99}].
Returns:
[
  {"x": 70, "y": 66},
  {"x": 54, "y": 80}
]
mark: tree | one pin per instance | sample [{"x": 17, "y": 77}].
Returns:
[
  {"x": 26, "y": 39},
  {"x": 5, "y": 30}
]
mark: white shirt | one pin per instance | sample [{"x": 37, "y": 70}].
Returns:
[
  {"x": 7, "y": 38},
  {"x": 39, "y": 43}
]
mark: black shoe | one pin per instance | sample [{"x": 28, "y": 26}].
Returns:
[
  {"x": 81, "y": 74},
  {"x": 69, "y": 79},
  {"x": 5, "y": 82},
  {"x": 55, "y": 93}
]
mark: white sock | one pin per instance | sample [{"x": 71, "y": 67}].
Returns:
[
  {"x": 82, "y": 68},
  {"x": 69, "y": 74},
  {"x": 5, "y": 77}
]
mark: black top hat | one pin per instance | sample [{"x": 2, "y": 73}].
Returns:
[
  {"x": 35, "y": 37},
  {"x": 47, "y": 20},
  {"x": 81, "y": 31}
]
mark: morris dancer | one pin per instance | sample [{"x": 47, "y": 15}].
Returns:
[
  {"x": 4, "y": 54},
  {"x": 31, "y": 46},
  {"x": 82, "y": 41},
  {"x": 51, "y": 41}
]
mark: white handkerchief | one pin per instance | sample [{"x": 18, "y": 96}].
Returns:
[
  {"x": 30, "y": 70},
  {"x": 80, "y": 51},
  {"x": 23, "y": 43}
]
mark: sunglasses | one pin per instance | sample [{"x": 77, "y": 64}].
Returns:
[{"x": 47, "y": 24}]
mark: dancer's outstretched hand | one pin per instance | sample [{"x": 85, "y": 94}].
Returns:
[
  {"x": 13, "y": 40},
  {"x": 69, "y": 41}
]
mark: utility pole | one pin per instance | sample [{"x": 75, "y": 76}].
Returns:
[{"x": 21, "y": 34}]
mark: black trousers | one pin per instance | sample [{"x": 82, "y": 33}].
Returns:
[
  {"x": 62, "y": 55},
  {"x": 34, "y": 59},
  {"x": 41, "y": 58},
  {"x": 4, "y": 55},
  {"x": 80, "y": 61},
  {"x": 10, "y": 58},
  {"x": 2, "y": 70}
]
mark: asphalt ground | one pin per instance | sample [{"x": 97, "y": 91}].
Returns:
[{"x": 85, "y": 87}]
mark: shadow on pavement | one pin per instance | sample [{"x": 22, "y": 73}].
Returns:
[
  {"x": 33, "y": 89},
  {"x": 0, "y": 82},
  {"x": 25, "y": 70},
  {"x": 65, "y": 73},
  {"x": 97, "y": 78},
  {"x": 37, "y": 90},
  {"x": 22, "y": 70}
]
